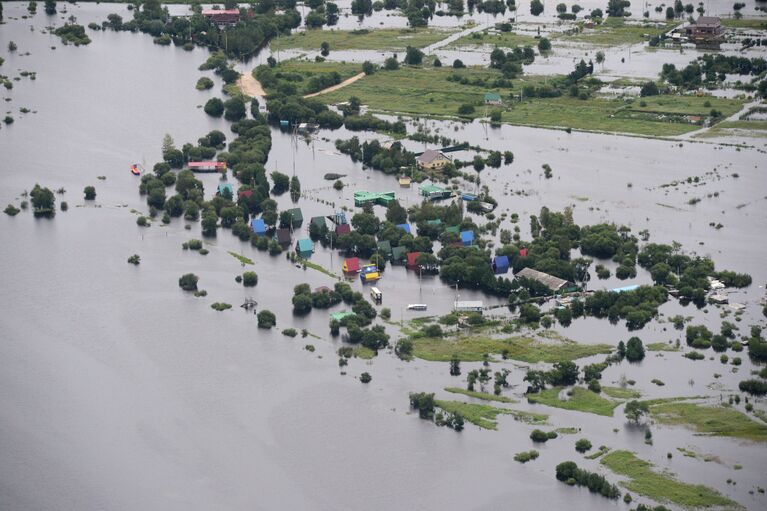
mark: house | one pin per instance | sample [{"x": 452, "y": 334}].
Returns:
[
  {"x": 351, "y": 265},
  {"x": 304, "y": 247},
  {"x": 222, "y": 16},
  {"x": 225, "y": 190},
  {"x": 555, "y": 284},
  {"x": 431, "y": 159},
  {"x": 500, "y": 264},
  {"x": 404, "y": 227},
  {"x": 469, "y": 306},
  {"x": 296, "y": 217},
  {"x": 258, "y": 226},
  {"x": 207, "y": 166},
  {"x": 283, "y": 237},
  {"x": 363, "y": 197},
  {"x": 384, "y": 248},
  {"x": 467, "y": 238},
  {"x": 342, "y": 229},
  {"x": 706, "y": 31},
  {"x": 493, "y": 98},
  {"x": 411, "y": 257},
  {"x": 522, "y": 252},
  {"x": 398, "y": 255},
  {"x": 434, "y": 192}
]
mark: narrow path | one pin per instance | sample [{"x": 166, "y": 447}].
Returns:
[
  {"x": 733, "y": 117},
  {"x": 454, "y": 37},
  {"x": 250, "y": 86},
  {"x": 341, "y": 85}
]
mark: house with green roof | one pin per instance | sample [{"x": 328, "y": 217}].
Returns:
[{"x": 493, "y": 98}]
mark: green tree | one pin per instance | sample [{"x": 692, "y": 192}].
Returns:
[
  {"x": 544, "y": 44},
  {"x": 43, "y": 200},
  {"x": 209, "y": 222},
  {"x": 455, "y": 366},
  {"x": 302, "y": 304},
  {"x": 50, "y": 7},
  {"x": 413, "y": 56},
  {"x": 90, "y": 193},
  {"x": 634, "y": 350},
  {"x": 214, "y": 107},
  {"x": 234, "y": 109},
  {"x": 635, "y": 410},
  {"x": 536, "y": 7},
  {"x": 249, "y": 278},
  {"x": 582, "y": 445}
]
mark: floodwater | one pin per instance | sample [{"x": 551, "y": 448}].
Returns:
[{"x": 119, "y": 391}]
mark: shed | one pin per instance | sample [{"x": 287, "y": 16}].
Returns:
[
  {"x": 398, "y": 254},
  {"x": 492, "y": 98},
  {"x": 501, "y": 264},
  {"x": 522, "y": 252},
  {"x": 342, "y": 229},
  {"x": 405, "y": 181},
  {"x": 434, "y": 192},
  {"x": 550, "y": 281},
  {"x": 363, "y": 197},
  {"x": 467, "y": 238},
  {"x": 207, "y": 166},
  {"x": 338, "y": 316},
  {"x": 384, "y": 248},
  {"x": 469, "y": 306},
  {"x": 404, "y": 227},
  {"x": 258, "y": 226},
  {"x": 304, "y": 246},
  {"x": 351, "y": 265},
  {"x": 225, "y": 190},
  {"x": 283, "y": 237},
  {"x": 411, "y": 257},
  {"x": 296, "y": 217}
]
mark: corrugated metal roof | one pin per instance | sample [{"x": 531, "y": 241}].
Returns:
[{"x": 550, "y": 281}]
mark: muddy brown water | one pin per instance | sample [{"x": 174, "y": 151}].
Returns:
[{"x": 119, "y": 391}]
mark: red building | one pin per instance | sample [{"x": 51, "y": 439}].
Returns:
[{"x": 222, "y": 17}]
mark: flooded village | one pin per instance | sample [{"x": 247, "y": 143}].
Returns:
[{"x": 354, "y": 254}]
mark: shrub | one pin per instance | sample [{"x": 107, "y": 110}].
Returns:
[
  {"x": 249, "y": 279},
  {"x": 582, "y": 445},
  {"x": 11, "y": 210},
  {"x": 188, "y": 282},
  {"x": 220, "y": 306},
  {"x": 365, "y": 378},
  {"x": 525, "y": 456},
  {"x": 214, "y": 107},
  {"x": 266, "y": 319},
  {"x": 538, "y": 435},
  {"x": 753, "y": 387},
  {"x": 134, "y": 259},
  {"x": 634, "y": 349},
  {"x": 142, "y": 221},
  {"x": 90, "y": 193},
  {"x": 290, "y": 332},
  {"x": 465, "y": 109},
  {"x": 204, "y": 83}
]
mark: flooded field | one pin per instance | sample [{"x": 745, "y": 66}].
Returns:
[{"x": 118, "y": 390}]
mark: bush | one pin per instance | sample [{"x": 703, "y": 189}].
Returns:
[
  {"x": 214, "y": 107},
  {"x": 582, "y": 445},
  {"x": 134, "y": 259},
  {"x": 634, "y": 349},
  {"x": 290, "y": 332},
  {"x": 142, "y": 221},
  {"x": 188, "y": 282},
  {"x": 204, "y": 83},
  {"x": 458, "y": 64},
  {"x": 525, "y": 456},
  {"x": 465, "y": 109},
  {"x": 11, "y": 210},
  {"x": 538, "y": 435},
  {"x": 90, "y": 193},
  {"x": 220, "y": 306},
  {"x": 753, "y": 387},
  {"x": 266, "y": 319},
  {"x": 249, "y": 279},
  {"x": 365, "y": 378}
]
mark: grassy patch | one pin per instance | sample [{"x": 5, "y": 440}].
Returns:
[
  {"x": 319, "y": 268},
  {"x": 386, "y": 39},
  {"x": 581, "y": 400},
  {"x": 525, "y": 456},
  {"x": 525, "y": 349},
  {"x": 502, "y": 40},
  {"x": 621, "y": 393},
  {"x": 594, "y": 455},
  {"x": 484, "y": 416},
  {"x": 308, "y": 69},
  {"x": 743, "y": 125},
  {"x": 363, "y": 352},
  {"x": 745, "y": 23},
  {"x": 708, "y": 420},
  {"x": 661, "y": 346},
  {"x": 480, "y": 395},
  {"x": 662, "y": 487},
  {"x": 616, "y": 31},
  {"x": 242, "y": 258}
]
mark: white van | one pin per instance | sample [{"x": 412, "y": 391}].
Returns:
[{"x": 376, "y": 294}]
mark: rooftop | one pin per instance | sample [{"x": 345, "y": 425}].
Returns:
[{"x": 550, "y": 281}]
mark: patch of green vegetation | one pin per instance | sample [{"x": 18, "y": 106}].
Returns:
[
  {"x": 616, "y": 31},
  {"x": 567, "y": 431},
  {"x": 484, "y": 416},
  {"x": 708, "y": 420},
  {"x": 660, "y": 346},
  {"x": 501, "y": 40},
  {"x": 761, "y": 414},
  {"x": 363, "y": 352},
  {"x": 594, "y": 455},
  {"x": 480, "y": 395},
  {"x": 581, "y": 400},
  {"x": 662, "y": 487},
  {"x": 525, "y": 456},
  {"x": 687, "y": 452},
  {"x": 525, "y": 349},
  {"x": 241, "y": 258},
  {"x": 220, "y": 306},
  {"x": 621, "y": 393},
  {"x": 745, "y": 23},
  {"x": 319, "y": 268},
  {"x": 386, "y": 39},
  {"x": 743, "y": 125}
]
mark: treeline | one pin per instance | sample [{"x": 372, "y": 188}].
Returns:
[
  {"x": 710, "y": 69},
  {"x": 387, "y": 159}
]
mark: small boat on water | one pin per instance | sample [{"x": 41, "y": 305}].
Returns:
[
  {"x": 417, "y": 307},
  {"x": 136, "y": 169}
]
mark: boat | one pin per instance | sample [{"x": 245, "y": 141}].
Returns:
[
  {"x": 417, "y": 307},
  {"x": 136, "y": 169}
]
